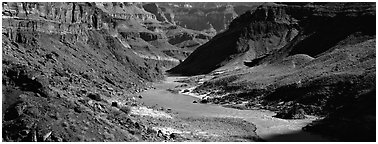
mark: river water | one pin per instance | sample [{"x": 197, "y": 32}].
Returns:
[{"x": 268, "y": 128}]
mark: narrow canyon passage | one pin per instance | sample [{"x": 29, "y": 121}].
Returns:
[{"x": 268, "y": 128}]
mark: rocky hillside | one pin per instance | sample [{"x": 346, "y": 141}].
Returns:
[
  {"x": 70, "y": 69},
  {"x": 298, "y": 59},
  {"x": 275, "y": 31}
]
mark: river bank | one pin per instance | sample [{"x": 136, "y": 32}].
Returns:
[{"x": 268, "y": 127}]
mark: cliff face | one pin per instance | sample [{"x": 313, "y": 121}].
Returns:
[
  {"x": 27, "y": 23},
  {"x": 210, "y": 17},
  {"x": 273, "y": 31},
  {"x": 66, "y": 63},
  {"x": 159, "y": 13}
]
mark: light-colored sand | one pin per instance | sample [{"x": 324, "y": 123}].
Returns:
[{"x": 149, "y": 112}]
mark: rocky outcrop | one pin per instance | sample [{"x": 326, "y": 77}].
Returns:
[
  {"x": 147, "y": 36},
  {"x": 155, "y": 9},
  {"x": 55, "y": 18},
  {"x": 125, "y": 10}
]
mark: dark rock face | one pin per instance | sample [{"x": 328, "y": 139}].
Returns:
[{"x": 159, "y": 13}]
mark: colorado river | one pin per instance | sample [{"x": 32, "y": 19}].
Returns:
[{"x": 268, "y": 128}]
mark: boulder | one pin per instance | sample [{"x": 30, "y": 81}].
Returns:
[
  {"x": 95, "y": 97},
  {"x": 114, "y": 104}
]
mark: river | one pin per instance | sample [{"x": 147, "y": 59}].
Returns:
[{"x": 268, "y": 128}]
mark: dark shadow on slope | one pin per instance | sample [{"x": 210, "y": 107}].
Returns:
[
  {"x": 353, "y": 122},
  {"x": 324, "y": 33},
  {"x": 296, "y": 136},
  {"x": 255, "y": 62}
]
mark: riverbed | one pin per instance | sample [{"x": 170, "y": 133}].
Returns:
[{"x": 268, "y": 128}]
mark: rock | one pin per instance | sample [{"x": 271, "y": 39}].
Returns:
[
  {"x": 155, "y": 9},
  {"x": 95, "y": 97},
  {"x": 78, "y": 109},
  {"x": 149, "y": 36},
  {"x": 195, "y": 102},
  {"x": 140, "y": 97},
  {"x": 65, "y": 124},
  {"x": 174, "y": 135},
  {"x": 293, "y": 113},
  {"x": 185, "y": 91},
  {"x": 47, "y": 135},
  {"x": 24, "y": 132},
  {"x": 134, "y": 104},
  {"x": 114, "y": 104},
  {"x": 160, "y": 133},
  {"x": 204, "y": 101},
  {"x": 59, "y": 139}
]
